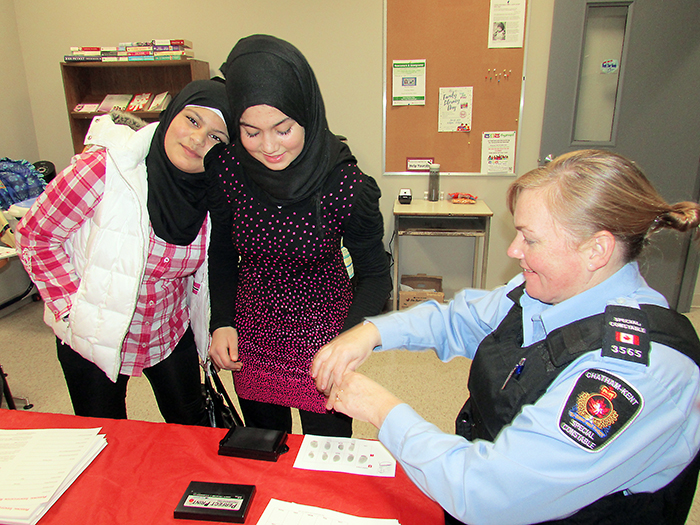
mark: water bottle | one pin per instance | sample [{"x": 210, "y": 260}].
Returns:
[{"x": 434, "y": 183}]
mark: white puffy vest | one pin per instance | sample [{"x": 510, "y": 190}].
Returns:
[{"x": 109, "y": 253}]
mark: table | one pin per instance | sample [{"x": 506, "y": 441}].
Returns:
[
  {"x": 142, "y": 473},
  {"x": 445, "y": 219}
]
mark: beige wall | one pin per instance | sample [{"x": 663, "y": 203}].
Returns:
[
  {"x": 17, "y": 136},
  {"x": 343, "y": 41}
]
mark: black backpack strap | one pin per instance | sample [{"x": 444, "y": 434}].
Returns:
[{"x": 674, "y": 330}]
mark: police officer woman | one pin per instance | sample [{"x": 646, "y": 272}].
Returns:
[{"x": 584, "y": 387}]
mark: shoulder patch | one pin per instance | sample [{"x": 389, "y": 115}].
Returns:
[
  {"x": 626, "y": 334},
  {"x": 599, "y": 408}
]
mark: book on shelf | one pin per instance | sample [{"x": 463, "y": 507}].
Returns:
[
  {"x": 115, "y": 59},
  {"x": 139, "y": 102},
  {"x": 85, "y": 108},
  {"x": 78, "y": 49},
  {"x": 78, "y": 58},
  {"x": 172, "y": 42},
  {"x": 172, "y": 57},
  {"x": 134, "y": 44},
  {"x": 140, "y": 58},
  {"x": 114, "y": 101},
  {"x": 139, "y": 49},
  {"x": 87, "y": 53},
  {"x": 181, "y": 53},
  {"x": 160, "y": 101},
  {"x": 169, "y": 48}
]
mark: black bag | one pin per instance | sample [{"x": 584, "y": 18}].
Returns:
[{"x": 222, "y": 413}]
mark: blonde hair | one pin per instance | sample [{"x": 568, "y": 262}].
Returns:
[{"x": 588, "y": 191}]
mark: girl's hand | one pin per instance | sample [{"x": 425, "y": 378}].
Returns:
[
  {"x": 344, "y": 353},
  {"x": 224, "y": 349}
]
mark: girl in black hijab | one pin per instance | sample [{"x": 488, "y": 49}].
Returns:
[
  {"x": 286, "y": 195},
  {"x": 116, "y": 245},
  {"x": 176, "y": 196}
]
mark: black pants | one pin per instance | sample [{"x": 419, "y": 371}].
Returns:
[
  {"x": 277, "y": 417},
  {"x": 176, "y": 384}
]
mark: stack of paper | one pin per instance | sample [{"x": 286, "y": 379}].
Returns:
[
  {"x": 37, "y": 466},
  {"x": 5, "y": 253}
]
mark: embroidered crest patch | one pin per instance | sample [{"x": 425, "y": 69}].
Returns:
[
  {"x": 599, "y": 408},
  {"x": 626, "y": 334}
]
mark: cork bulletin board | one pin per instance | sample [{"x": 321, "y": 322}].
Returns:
[{"x": 452, "y": 36}]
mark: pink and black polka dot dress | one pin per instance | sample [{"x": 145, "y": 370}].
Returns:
[{"x": 290, "y": 292}]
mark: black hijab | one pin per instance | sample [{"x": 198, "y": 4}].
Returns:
[
  {"x": 262, "y": 69},
  {"x": 176, "y": 200}
]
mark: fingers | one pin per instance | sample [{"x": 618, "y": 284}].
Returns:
[
  {"x": 344, "y": 353},
  {"x": 327, "y": 365},
  {"x": 362, "y": 398},
  {"x": 224, "y": 349},
  {"x": 332, "y": 398}
]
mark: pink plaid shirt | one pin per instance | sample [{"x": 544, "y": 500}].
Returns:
[{"x": 161, "y": 315}]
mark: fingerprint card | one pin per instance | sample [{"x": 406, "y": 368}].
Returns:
[{"x": 349, "y": 455}]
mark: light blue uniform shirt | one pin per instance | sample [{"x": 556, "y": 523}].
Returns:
[{"x": 532, "y": 472}]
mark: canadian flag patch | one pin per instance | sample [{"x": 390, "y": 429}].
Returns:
[
  {"x": 629, "y": 339},
  {"x": 626, "y": 334}
]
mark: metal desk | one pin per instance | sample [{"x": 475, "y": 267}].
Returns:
[{"x": 442, "y": 218}]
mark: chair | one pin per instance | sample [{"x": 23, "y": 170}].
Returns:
[{"x": 5, "y": 393}]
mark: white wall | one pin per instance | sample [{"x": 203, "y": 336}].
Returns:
[
  {"x": 343, "y": 41},
  {"x": 17, "y": 135}
]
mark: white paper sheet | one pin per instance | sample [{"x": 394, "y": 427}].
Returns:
[
  {"x": 285, "y": 513},
  {"x": 455, "y": 109},
  {"x": 506, "y": 23},
  {"x": 6, "y": 252},
  {"x": 498, "y": 153},
  {"x": 349, "y": 455},
  {"x": 408, "y": 83}
]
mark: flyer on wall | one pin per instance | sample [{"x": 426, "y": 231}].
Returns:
[
  {"x": 506, "y": 23},
  {"x": 408, "y": 83},
  {"x": 498, "y": 153},
  {"x": 455, "y": 109}
]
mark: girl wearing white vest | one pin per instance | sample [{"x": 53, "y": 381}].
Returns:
[{"x": 117, "y": 246}]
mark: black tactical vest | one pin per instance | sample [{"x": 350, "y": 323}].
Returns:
[{"x": 491, "y": 406}]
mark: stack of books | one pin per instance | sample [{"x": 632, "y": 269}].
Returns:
[
  {"x": 84, "y": 54},
  {"x": 172, "y": 49},
  {"x": 169, "y": 49},
  {"x": 127, "y": 102}
]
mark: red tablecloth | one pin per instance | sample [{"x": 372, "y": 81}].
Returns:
[{"x": 142, "y": 473}]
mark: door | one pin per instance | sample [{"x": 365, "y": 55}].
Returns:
[{"x": 624, "y": 76}]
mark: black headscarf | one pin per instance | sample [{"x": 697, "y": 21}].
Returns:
[
  {"x": 262, "y": 69},
  {"x": 176, "y": 200}
]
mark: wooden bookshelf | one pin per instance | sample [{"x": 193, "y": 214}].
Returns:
[{"x": 89, "y": 82}]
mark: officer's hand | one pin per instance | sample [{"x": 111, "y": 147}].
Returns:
[
  {"x": 344, "y": 353},
  {"x": 361, "y": 398}
]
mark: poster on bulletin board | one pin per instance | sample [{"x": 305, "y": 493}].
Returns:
[
  {"x": 455, "y": 109},
  {"x": 452, "y": 37},
  {"x": 507, "y": 22},
  {"x": 408, "y": 83},
  {"x": 498, "y": 153}
]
